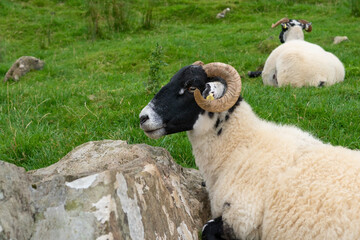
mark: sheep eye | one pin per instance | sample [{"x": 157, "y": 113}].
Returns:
[{"x": 191, "y": 89}]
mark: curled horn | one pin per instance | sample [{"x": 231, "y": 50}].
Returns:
[
  {"x": 233, "y": 81},
  {"x": 307, "y": 24},
  {"x": 283, "y": 20}
]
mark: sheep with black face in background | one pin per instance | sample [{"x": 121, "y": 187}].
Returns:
[
  {"x": 264, "y": 180},
  {"x": 299, "y": 63},
  {"x": 22, "y": 66}
]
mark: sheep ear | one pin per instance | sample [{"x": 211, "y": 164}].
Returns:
[
  {"x": 284, "y": 26},
  {"x": 214, "y": 90},
  {"x": 308, "y": 27}
]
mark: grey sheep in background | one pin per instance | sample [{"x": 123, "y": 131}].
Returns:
[{"x": 22, "y": 66}]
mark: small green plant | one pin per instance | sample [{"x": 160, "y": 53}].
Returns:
[{"x": 155, "y": 72}]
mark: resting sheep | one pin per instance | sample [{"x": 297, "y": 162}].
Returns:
[
  {"x": 223, "y": 13},
  {"x": 22, "y": 66},
  {"x": 299, "y": 63},
  {"x": 339, "y": 39},
  {"x": 264, "y": 180}
]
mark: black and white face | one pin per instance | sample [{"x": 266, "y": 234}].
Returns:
[
  {"x": 173, "y": 109},
  {"x": 285, "y": 28}
]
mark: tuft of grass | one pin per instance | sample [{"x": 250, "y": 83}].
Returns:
[
  {"x": 107, "y": 17},
  {"x": 147, "y": 18},
  {"x": 355, "y": 7},
  {"x": 116, "y": 16}
]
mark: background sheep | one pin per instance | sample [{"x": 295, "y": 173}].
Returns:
[
  {"x": 339, "y": 39},
  {"x": 223, "y": 13},
  {"x": 299, "y": 63},
  {"x": 264, "y": 180},
  {"x": 22, "y": 66}
]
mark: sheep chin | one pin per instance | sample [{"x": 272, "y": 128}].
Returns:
[{"x": 155, "y": 134}]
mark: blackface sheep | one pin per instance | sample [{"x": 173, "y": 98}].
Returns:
[
  {"x": 22, "y": 66},
  {"x": 299, "y": 63},
  {"x": 264, "y": 180}
]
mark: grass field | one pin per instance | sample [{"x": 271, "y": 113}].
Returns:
[{"x": 93, "y": 85}]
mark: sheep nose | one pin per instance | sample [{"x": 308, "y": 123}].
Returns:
[{"x": 143, "y": 119}]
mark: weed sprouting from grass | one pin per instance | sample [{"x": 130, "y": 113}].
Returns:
[{"x": 155, "y": 71}]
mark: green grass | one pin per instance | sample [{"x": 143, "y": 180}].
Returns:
[{"x": 94, "y": 89}]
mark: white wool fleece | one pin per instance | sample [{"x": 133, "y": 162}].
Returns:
[
  {"x": 299, "y": 63},
  {"x": 277, "y": 182}
]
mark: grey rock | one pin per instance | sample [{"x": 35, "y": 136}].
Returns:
[
  {"x": 112, "y": 190},
  {"x": 16, "y": 221}
]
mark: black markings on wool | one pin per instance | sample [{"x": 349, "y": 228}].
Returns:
[
  {"x": 218, "y": 121},
  {"x": 321, "y": 84},
  {"x": 231, "y": 110},
  {"x": 221, "y": 118},
  {"x": 227, "y": 204},
  {"x": 227, "y": 117}
]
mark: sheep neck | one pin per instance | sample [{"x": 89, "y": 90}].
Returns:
[
  {"x": 211, "y": 149},
  {"x": 294, "y": 33}
]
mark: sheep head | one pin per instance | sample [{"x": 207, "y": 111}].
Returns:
[
  {"x": 290, "y": 29},
  {"x": 177, "y": 106}
]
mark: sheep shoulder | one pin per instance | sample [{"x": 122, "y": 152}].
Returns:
[{"x": 271, "y": 170}]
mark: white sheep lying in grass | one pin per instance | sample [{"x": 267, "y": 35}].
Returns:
[
  {"x": 22, "y": 66},
  {"x": 264, "y": 180},
  {"x": 299, "y": 63}
]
